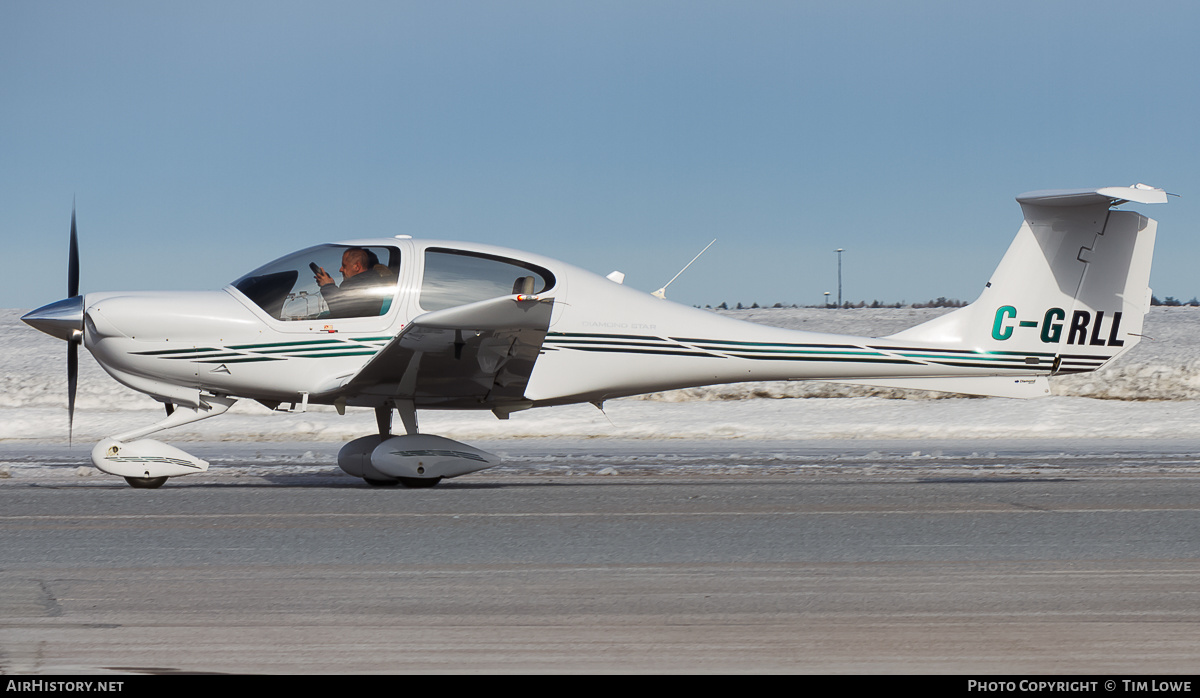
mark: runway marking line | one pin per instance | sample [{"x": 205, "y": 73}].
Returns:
[{"x": 456, "y": 515}]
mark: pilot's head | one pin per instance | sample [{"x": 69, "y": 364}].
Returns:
[{"x": 355, "y": 261}]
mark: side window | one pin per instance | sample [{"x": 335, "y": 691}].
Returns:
[
  {"x": 456, "y": 277},
  {"x": 327, "y": 281}
]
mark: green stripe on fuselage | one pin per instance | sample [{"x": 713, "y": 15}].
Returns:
[{"x": 285, "y": 344}]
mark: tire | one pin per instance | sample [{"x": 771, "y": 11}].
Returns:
[
  {"x": 146, "y": 483},
  {"x": 380, "y": 483},
  {"x": 419, "y": 482}
]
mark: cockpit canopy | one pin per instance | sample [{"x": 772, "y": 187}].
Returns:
[
  {"x": 457, "y": 277},
  {"x": 289, "y": 288}
]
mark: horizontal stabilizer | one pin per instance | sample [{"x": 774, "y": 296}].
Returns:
[{"x": 1111, "y": 196}]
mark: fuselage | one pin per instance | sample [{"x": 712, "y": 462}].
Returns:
[{"x": 257, "y": 339}]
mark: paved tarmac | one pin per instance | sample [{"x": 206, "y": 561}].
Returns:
[{"x": 1025, "y": 565}]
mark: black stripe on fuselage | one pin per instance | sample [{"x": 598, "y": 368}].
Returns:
[{"x": 795, "y": 351}]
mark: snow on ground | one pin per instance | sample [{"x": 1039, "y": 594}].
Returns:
[{"x": 1153, "y": 392}]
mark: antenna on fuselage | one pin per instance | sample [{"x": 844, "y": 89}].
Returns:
[{"x": 662, "y": 292}]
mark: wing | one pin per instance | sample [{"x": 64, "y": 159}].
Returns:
[{"x": 473, "y": 356}]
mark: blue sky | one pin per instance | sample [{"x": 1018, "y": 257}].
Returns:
[{"x": 200, "y": 140}]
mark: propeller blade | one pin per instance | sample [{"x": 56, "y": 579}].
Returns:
[
  {"x": 72, "y": 383},
  {"x": 72, "y": 344},
  {"x": 73, "y": 262}
]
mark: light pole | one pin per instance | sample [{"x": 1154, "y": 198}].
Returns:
[{"x": 839, "y": 252}]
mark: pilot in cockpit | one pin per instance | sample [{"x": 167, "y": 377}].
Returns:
[{"x": 366, "y": 284}]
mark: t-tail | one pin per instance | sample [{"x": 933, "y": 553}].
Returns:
[{"x": 1069, "y": 296}]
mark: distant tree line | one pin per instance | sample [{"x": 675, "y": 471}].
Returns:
[{"x": 1173, "y": 302}]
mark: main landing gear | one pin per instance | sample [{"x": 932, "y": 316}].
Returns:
[{"x": 413, "y": 460}]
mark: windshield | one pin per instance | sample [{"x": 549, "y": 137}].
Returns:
[{"x": 326, "y": 281}]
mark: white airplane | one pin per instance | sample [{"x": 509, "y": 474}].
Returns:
[{"x": 427, "y": 324}]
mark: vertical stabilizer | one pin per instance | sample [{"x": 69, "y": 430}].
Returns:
[{"x": 1074, "y": 284}]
